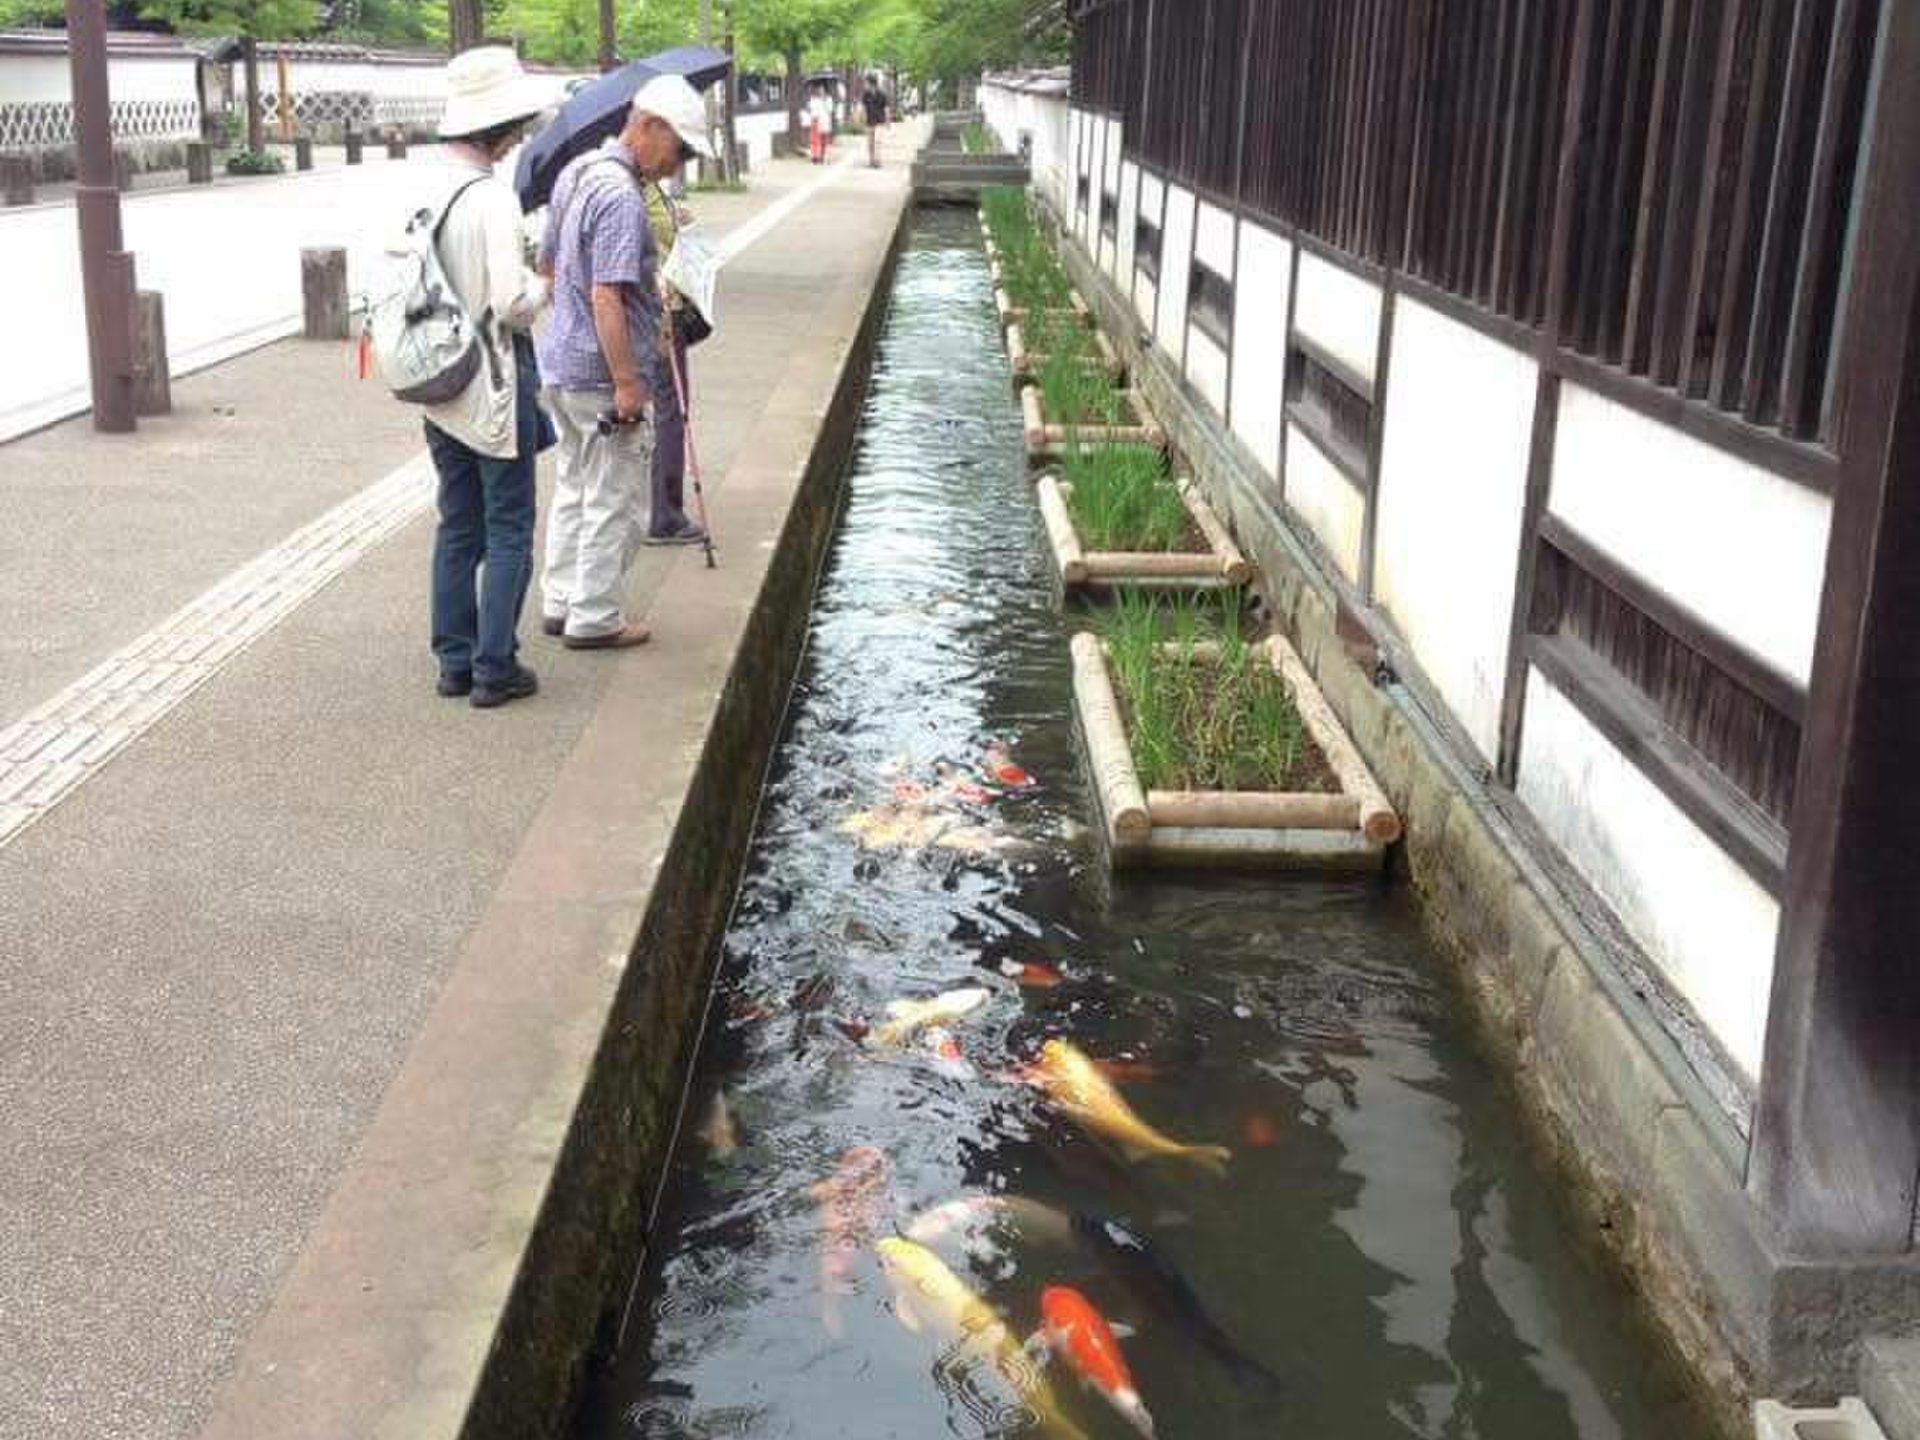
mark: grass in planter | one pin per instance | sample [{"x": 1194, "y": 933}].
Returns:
[
  {"x": 1075, "y": 392},
  {"x": 1229, "y": 724},
  {"x": 977, "y": 139},
  {"x": 1121, "y": 498},
  {"x": 1030, "y": 270}
]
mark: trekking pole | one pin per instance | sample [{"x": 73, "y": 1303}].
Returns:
[{"x": 692, "y": 454}]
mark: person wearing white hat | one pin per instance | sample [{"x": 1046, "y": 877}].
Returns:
[
  {"x": 485, "y": 441},
  {"x": 597, "y": 357}
]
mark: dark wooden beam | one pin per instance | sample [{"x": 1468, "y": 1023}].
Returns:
[{"x": 1836, "y": 1147}]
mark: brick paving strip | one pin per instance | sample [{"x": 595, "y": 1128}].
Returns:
[{"x": 56, "y": 747}]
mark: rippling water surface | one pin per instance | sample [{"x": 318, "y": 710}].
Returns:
[{"x": 1381, "y": 1248}]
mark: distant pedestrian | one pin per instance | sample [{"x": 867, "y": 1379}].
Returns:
[
  {"x": 672, "y": 390},
  {"x": 819, "y": 122},
  {"x": 484, "y": 441},
  {"x": 599, "y": 357},
  {"x": 874, "y": 101}
]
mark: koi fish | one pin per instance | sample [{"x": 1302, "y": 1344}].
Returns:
[
  {"x": 929, "y": 1298},
  {"x": 915, "y": 827},
  {"x": 1087, "y": 1098},
  {"x": 1120, "y": 1070},
  {"x": 1000, "y": 767},
  {"x": 718, "y": 1130},
  {"x": 1260, "y": 1130},
  {"x": 970, "y": 1214},
  {"x": 1158, "y": 1287},
  {"x": 851, "y": 1202},
  {"x": 1032, "y": 974},
  {"x": 948, "y": 1058},
  {"x": 1077, "y": 1332},
  {"x": 905, "y": 1017}
]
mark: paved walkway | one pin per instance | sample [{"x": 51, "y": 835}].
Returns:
[{"x": 221, "y": 948}]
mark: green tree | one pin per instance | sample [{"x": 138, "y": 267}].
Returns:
[
  {"x": 794, "y": 30},
  {"x": 251, "y": 20}
]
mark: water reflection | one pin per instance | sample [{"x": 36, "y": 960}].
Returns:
[{"x": 1379, "y": 1262}]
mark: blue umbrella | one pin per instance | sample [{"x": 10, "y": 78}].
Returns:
[{"x": 598, "y": 110}]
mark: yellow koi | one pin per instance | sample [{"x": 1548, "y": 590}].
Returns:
[{"x": 1076, "y": 1086}]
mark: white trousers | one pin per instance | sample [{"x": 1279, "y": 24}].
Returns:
[{"x": 599, "y": 515}]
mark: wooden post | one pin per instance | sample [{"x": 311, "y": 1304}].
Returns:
[
  {"x": 16, "y": 174},
  {"x": 199, "y": 163},
  {"x": 1836, "y": 1141},
  {"x": 323, "y": 291},
  {"x": 122, "y": 171},
  {"x": 396, "y": 144},
  {"x": 303, "y": 152},
  {"x": 152, "y": 380},
  {"x": 354, "y": 141},
  {"x": 285, "y": 98}
]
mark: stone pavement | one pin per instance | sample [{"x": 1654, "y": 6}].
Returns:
[{"x": 313, "y": 926}]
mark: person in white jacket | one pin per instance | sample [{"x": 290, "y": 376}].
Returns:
[{"x": 485, "y": 441}]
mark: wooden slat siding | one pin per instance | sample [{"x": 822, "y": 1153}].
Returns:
[
  {"x": 1836, "y": 1139},
  {"x": 1515, "y": 103},
  {"x": 1618, "y": 218},
  {"x": 1772, "y": 39},
  {"x": 1656, "y": 186},
  {"x": 1496, "y": 147},
  {"x": 1725, "y": 119},
  {"x": 1625, "y": 716},
  {"x": 1688, "y": 188},
  {"x": 1759, "y": 395},
  {"x": 1582, "y": 329},
  {"x": 1803, "y": 383}
]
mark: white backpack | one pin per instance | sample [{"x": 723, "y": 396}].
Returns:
[{"x": 427, "y": 347}]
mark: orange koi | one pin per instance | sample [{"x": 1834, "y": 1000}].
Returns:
[
  {"x": 1119, "y": 1070},
  {"x": 1079, "y": 1333},
  {"x": 1260, "y": 1130},
  {"x": 1032, "y": 974},
  {"x": 1000, "y": 767}
]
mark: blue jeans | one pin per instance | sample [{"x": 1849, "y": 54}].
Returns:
[{"x": 483, "y": 549}]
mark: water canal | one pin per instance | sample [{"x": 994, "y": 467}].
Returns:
[{"x": 1381, "y": 1260}]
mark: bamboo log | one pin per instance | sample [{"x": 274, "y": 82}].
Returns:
[
  {"x": 1109, "y": 356},
  {"x": 1233, "y": 565},
  {"x": 1060, "y": 532},
  {"x": 1253, "y": 810},
  {"x": 1111, "y": 762},
  {"x": 1030, "y": 408},
  {"x": 1151, "y": 565},
  {"x": 1378, "y": 819},
  {"x": 1151, "y": 435},
  {"x": 1017, "y": 350},
  {"x": 1345, "y": 851}
]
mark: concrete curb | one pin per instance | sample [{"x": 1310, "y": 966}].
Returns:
[{"x": 481, "y": 1240}]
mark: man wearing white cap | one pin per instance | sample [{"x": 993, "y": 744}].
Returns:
[
  {"x": 596, "y": 357},
  {"x": 485, "y": 440}
]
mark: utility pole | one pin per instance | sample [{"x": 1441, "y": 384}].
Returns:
[
  {"x": 607, "y": 57},
  {"x": 106, "y": 269}
]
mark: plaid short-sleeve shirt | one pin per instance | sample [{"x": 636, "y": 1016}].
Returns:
[{"x": 597, "y": 234}]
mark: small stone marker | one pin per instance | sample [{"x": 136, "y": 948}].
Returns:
[
  {"x": 122, "y": 170},
  {"x": 397, "y": 145},
  {"x": 199, "y": 163},
  {"x": 152, "y": 377},
  {"x": 323, "y": 291},
  {"x": 353, "y": 141},
  {"x": 303, "y": 152},
  {"x": 16, "y": 172}
]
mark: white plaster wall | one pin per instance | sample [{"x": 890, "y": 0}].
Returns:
[
  {"x": 1082, "y": 160},
  {"x": 1207, "y": 370},
  {"x": 1697, "y": 915},
  {"x": 1213, "y": 239},
  {"x": 43, "y": 79},
  {"x": 1260, "y": 341},
  {"x": 1453, "y": 477},
  {"x": 1176, "y": 258},
  {"x": 1146, "y": 293},
  {"x": 1129, "y": 216},
  {"x": 1340, "y": 312},
  {"x": 1658, "y": 501},
  {"x": 1322, "y": 496}
]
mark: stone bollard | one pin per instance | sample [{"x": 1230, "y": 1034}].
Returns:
[
  {"x": 152, "y": 377},
  {"x": 353, "y": 141},
  {"x": 122, "y": 170},
  {"x": 323, "y": 292},
  {"x": 397, "y": 145},
  {"x": 199, "y": 163},
  {"x": 303, "y": 152},
  {"x": 16, "y": 175},
  {"x": 742, "y": 159}
]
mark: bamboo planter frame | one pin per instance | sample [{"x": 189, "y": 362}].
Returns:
[
  {"x": 1047, "y": 439},
  {"x": 1221, "y": 564},
  {"x": 1027, "y": 363},
  {"x": 1348, "y": 830}
]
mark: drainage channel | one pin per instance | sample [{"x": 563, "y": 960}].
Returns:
[{"x": 874, "y": 1207}]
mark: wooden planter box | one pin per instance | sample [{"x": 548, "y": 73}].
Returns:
[
  {"x": 1220, "y": 564},
  {"x": 1047, "y": 438},
  {"x": 1348, "y": 830},
  {"x": 1026, "y": 362}
]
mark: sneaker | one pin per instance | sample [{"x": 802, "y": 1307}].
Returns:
[
  {"x": 688, "y": 533},
  {"x": 517, "y": 686},
  {"x": 625, "y": 638},
  {"x": 453, "y": 684}
]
